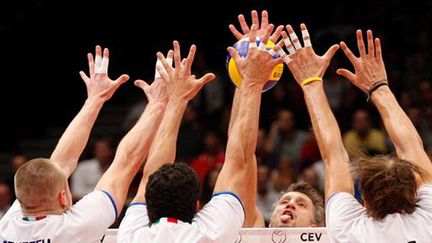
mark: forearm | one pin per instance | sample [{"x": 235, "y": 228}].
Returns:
[
  {"x": 136, "y": 143},
  {"x": 396, "y": 122},
  {"x": 234, "y": 109},
  {"x": 324, "y": 123},
  {"x": 248, "y": 118},
  {"x": 241, "y": 151},
  {"x": 131, "y": 153},
  {"x": 75, "y": 137},
  {"x": 163, "y": 149},
  {"x": 402, "y": 132},
  {"x": 337, "y": 173}
]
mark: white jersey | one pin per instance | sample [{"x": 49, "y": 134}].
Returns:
[
  {"x": 219, "y": 221},
  {"x": 86, "y": 221},
  {"x": 347, "y": 221}
]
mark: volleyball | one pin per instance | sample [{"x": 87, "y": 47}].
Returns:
[{"x": 242, "y": 47}]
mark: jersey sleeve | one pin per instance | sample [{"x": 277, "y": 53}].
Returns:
[
  {"x": 342, "y": 208},
  {"x": 425, "y": 196},
  {"x": 89, "y": 218},
  {"x": 135, "y": 218},
  {"x": 13, "y": 210},
  {"x": 222, "y": 218}
]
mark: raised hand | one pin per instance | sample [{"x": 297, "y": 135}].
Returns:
[
  {"x": 157, "y": 91},
  {"x": 99, "y": 85},
  {"x": 303, "y": 62},
  {"x": 261, "y": 28},
  {"x": 369, "y": 67},
  {"x": 256, "y": 67},
  {"x": 181, "y": 83}
]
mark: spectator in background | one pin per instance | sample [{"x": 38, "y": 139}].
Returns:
[
  {"x": 89, "y": 171},
  {"x": 192, "y": 131},
  {"x": 6, "y": 196},
  {"x": 284, "y": 174},
  {"x": 213, "y": 155},
  {"x": 16, "y": 161},
  {"x": 421, "y": 124},
  {"x": 209, "y": 184},
  {"x": 284, "y": 139},
  {"x": 363, "y": 137},
  {"x": 266, "y": 195}
]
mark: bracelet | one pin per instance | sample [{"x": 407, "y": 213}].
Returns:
[
  {"x": 374, "y": 87},
  {"x": 310, "y": 80}
]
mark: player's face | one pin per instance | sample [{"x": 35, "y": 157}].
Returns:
[{"x": 294, "y": 209}]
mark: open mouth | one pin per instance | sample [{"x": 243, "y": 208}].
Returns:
[{"x": 286, "y": 216}]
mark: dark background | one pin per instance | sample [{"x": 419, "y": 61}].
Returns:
[{"x": 43, "y": 44}]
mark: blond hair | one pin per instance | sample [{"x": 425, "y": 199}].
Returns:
[{"x": 37, "y": 183}]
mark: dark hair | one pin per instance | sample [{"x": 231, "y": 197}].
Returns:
[
  {"x": 314, "y": 196},
  {"x": 172, "y": 191},
  {"x": 387, "y": 184}
]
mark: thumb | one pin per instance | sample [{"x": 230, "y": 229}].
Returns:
[
  {"x": 84, "y": 77},
  {"x": 206, "y": 78},
  {"x": 346, "y": 73},
  {"x": 141, "y": 84},
  {"x": 120, "y": 80},
  {"x": 234, "y": 54},
  {"x": 331, "y": 51}
]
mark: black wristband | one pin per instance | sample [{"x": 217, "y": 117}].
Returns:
[{"x": 374, "y": 87}]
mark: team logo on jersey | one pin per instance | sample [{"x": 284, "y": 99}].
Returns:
[{"x": 278, "y": 236}]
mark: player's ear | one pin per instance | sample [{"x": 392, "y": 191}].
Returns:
[{"x": 62, "y": 198}]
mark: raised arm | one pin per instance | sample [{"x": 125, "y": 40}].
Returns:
[
  {"x": 257, "y": 215},
  {"x": 182, "y": 87},
  {"x": 100, "y": 88},
  {"x": 134, "y": 147},
  {"x": 240, "y": 164},
  {"x": 371, "y": 77},
  {"x": 308, "y": 70}
]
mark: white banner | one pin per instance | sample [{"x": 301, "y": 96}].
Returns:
[{"x": 265, "y": 235}]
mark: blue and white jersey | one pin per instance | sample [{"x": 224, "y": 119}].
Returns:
[
  {"x": 219, "y": 221},
  {"x": 86, "y": 221}
]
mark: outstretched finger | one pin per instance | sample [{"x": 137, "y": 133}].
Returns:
[
  {"x": 84, "y": 77},
  {"x": 121, "y": 80},
  {"x": 243, "y": 24},
  {"x": 167, "y": 66},
  {"x": 255, "y": 18},
  {"x": 331, "y": 52},
  {"x": 141, "y": 84},
  {"x": 346, "y": 73},
  {"x": 177, "y": 54},
  {"x": 378, "y": 51},
  {"x": 264, "y": 20},
  {"x": 163, "y": 73},
  {"x": 190, "y": 57},
  {"x": 348, "y": 52},
  {"x": 235, "y": 32},
  {"x": 276, "y": 34},
  {"x": 360, "y": 43},
  {"x": 98, "y": 59},
  {"x": 288, "y": 43},
  {"x": 234, "y": 54},
  {"x": 105, "y": 61},
  {"x": 266, "y": 37},
  {"x": 91, "y": 64},
  {"x": 206, "y": 78},
  {"x": 306, "y": 37},
  {"x": 371, "y": 46},
  {"x": 294, "y": 38}
]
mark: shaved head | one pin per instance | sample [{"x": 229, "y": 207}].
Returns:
[{"x": 37, "y": 184}]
